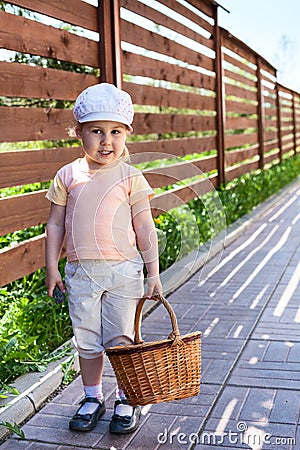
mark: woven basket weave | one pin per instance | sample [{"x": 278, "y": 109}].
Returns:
[{"x": 158, "y": 371}]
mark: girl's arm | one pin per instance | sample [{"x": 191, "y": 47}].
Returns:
[
  {"x": 147, "y": 241},
  {"x": 55, "y": 234}
]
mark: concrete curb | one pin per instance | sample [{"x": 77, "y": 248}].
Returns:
[{"x": 36, "y": 387}]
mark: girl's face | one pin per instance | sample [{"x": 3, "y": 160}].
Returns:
[{"x": 103, "y": 141}]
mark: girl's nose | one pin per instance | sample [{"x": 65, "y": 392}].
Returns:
[{"x": 105, "y": 138}]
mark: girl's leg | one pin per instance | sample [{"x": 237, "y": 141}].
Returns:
[
  {"x": 91, "y": 374},
  {"x": 93, "y": 406},
  {"x": 91, "y": 370}
]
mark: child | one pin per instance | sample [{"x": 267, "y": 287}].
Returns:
[{"x": 100, "y": 208}]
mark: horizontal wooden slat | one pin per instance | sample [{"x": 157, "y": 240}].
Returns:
[
  {"x": 270, "y": 123},
  {"x": 162, "y": 19},
  {"x": 147, "y": 67},
  {"x": 166, "y": 148},
  {"x": 242, "y": 65},
  {"x": 34, "y": 124},
  {"x": 237, "y": 156},
  {"x": 26, "y": 36},
  {"x": 288, "y": 147},
  {"x": 240, "y": 107},
  {"x": 285, "y": 134},
  {"x": 285, "y": 114},
  {"x": 187, "y": 13},
  {"x": 240, "y": 78},
  {"x": 237, "y": 140},
  {"x": 205, "y": 6},
  {"x": 75, "y": 12},
  {"x": 171, "y": 123},
  {"x": 274, "y": 154},
  {"x": 149, "y": 95},
  {"x": 270, "y": 135},
  {"x": 25, "y": 167},
  {"x": 239, "y": 123},
  {"x": 22, "y": 260},
  {"x": 151, "y": 41},
  {"x": 237, "y": 171},
  {"x": 23, "y": 211},
  {"x": 272, "y": 157},
  {"x": 240, "y": 92},
  {"x": 177, "y": 197},
  {"x": 268, "y": 146},
  {"x": 284, "y": 89},
  {"x": 21, "y": 80},
  {"x": 163, "y": 176}
]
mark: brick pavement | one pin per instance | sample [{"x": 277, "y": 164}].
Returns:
[{"x": 246, "y": 303}]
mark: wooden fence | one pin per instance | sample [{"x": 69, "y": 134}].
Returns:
[{"x": 197, "y": 90}]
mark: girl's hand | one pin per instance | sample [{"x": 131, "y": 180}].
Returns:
[
  {"x": 52, "y": 279},
  {"x": 154, "y": 286}
]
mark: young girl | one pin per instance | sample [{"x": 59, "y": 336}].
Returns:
[{"x": 100, "y": 209}]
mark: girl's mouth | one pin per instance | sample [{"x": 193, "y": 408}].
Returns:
[{"x": 105, "y": 152}]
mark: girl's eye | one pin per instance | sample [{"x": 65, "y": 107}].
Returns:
[
  {"x": 115, "y": 131},
  {"x": 96, "y": 131}
]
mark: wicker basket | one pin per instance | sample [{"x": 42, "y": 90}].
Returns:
[{"x": 159, "y": 371}]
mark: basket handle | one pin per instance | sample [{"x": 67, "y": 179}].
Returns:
[{"x": 174, "y": 335}]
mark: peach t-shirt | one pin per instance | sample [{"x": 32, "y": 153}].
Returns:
[{"x": 98, "y": 208}]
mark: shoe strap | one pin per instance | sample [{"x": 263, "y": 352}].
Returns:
[{"x": 90, "y": 400}]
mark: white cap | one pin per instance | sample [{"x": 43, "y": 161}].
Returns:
[{"x": 104, "y": 101}]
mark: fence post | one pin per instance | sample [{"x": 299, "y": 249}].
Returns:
[
  {"x": 220, "y": 117},
  {"x": 278, "y": 122},
  {"x": 260, "y": 114},
  {"x": 110, "y": 42},
  {"x": 294, "y": 125}
]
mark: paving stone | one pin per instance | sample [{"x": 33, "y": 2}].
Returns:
[
  {"x": 277, "y": 351},
  {"x": 217, "y": 371},
  {"x": 14, "y": 444},
  {"x": 286, "y": 407},
  {"x": 148, "y": 436},
  {"x": 42, "y": 446},
  {"x": 265, "y": 382},
  {"x": 182, "y": 433},
  {"x": 258, "y": 405},
  {"x": 230, "y": 403},
  {"x": 194, "y": 409},
  {"x": 294, "y": 354},
  {"x": 63, "y": 437}
]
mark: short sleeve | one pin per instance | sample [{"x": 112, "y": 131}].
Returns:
[
  {"x": 57, "y": 192},
  {"x": 140, "y": 188}
]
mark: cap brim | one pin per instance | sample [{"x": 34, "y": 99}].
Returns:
[{"x": 112, "y": 117}]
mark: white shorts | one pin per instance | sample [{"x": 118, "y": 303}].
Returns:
[{"x": 103, "y": 296}]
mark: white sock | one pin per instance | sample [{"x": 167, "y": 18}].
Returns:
[
  {"x": 91, "y": 391},
  {"x": 122, "y": 410},
  {"x": 94, "y": 391},
  {"x": 120, "y": 394}
]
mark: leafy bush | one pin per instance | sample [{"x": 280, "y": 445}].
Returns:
[{"x": 31, "y": 328}]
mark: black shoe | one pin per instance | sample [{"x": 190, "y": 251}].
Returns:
[
  {"x": 87, "y": 422},
  {"x": 125, "y": 424}
]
